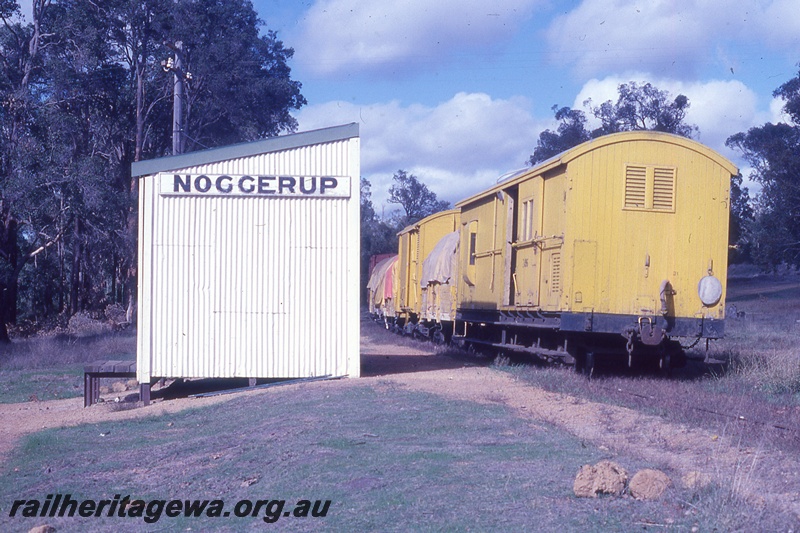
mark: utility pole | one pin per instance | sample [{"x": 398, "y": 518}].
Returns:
[{"x": 179, "y": 77}]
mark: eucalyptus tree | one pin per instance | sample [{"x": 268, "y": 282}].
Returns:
[
  {"x": 414, "y": 197},
  {"x": 638, "y": 107},
  {"x": 571, "y": 132},
  {"x": 29, "y": 214},
  {"x": 773, "y": 153},
  {"x": 83, "y": 95},
  {"x": 643, "y": 107},
  {"x": 240, "y": 85}
]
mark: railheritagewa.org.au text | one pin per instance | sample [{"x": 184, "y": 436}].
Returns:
[{"x": 151, "y": 511}]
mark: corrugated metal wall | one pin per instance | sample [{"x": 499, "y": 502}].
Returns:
[{"x": 251, "y": 286}]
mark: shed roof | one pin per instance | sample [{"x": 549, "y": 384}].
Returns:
[
  {"x": 235, "y": 151},
  {"x": 568, "y": 155}
]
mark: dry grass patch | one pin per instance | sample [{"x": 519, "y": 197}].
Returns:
[{"x": 48, "y": 368}]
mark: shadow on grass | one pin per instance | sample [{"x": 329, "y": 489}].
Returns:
[
  {"x": 388, "y": 353},
  {"x": 180, "y": 388}
]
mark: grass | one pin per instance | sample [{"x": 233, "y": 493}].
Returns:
[
  {"x": 50, "y": 368},
  {"x": 53, "y": 383},
  {"x": 388, "y": 459},
  {"x": 746, "y": 387}
]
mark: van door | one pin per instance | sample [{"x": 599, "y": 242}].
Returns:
[
  {"x": 402, "y": 267},
  {"x": 526, "y": 256}
]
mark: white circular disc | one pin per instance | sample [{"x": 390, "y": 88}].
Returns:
[{"x": 710, "y": 290}]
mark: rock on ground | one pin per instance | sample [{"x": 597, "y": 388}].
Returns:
[
  {"x": 42, "y": 529},
  {"x": 606, "y": 477},
  {"x": 696, "y": 480},
  {"x": 649, "y": 484}
]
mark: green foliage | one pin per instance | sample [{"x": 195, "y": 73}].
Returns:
[
  {"x": 414, "y": 197},
  {"x": 638, "y": 107},
  {"x": 83, "y": 95},
  {"x": 240, "y": 87},
  {"x": 773, "y": 151},
  {"x": 643, "y": 107},
  {"x": 741, "y": 216},
  {"x": 571, "y": 132},
  {"x": 8, "y": 8}
]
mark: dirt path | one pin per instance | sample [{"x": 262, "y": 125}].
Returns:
[
  {"x": 20, "y": 419},
  {"x": 616, "y": 429}
]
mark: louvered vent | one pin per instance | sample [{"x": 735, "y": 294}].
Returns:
[
  {"x": 635, "y": 186},
  {"x": 649, "y": 188},
  {"x": 555, "y": 272},
  {"x": 664, "y": 189}
]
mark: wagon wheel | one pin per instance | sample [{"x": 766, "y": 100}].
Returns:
[
  {"x": 579, "y": 361},
  {"x": 665, "y": 364},
  {"x": 588, "y": 364},
  {"x": 584, "y": 362}
]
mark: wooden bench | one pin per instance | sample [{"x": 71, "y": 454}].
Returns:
[{"x": 109, "y": 369}]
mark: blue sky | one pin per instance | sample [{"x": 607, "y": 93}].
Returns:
[{"x": 457, "y": 92}]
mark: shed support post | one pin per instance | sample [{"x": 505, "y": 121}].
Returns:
[{"x": 144, "y": 393}]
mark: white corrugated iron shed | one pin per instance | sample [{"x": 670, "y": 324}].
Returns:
[{"x": 248, "y": 259}]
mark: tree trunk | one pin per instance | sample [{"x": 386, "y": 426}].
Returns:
[
  {"x": 9, "y": 251},
  {"x": 75, "y": 275},
  {"x": 8, "y": 303},
  {"x": 3, "y": 312}
]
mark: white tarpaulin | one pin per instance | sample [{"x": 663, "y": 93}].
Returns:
[
  {"x": 441, "y": 264},
  {"x": 381, "y": 286}
]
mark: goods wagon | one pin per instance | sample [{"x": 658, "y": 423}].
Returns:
[
  {"x": 374, "y": 260},
  {"x": 617, "y": 246},
  {"x": 439, "y": 289},
  {"x": 381, "y": 290},
  {"x": 415, "y": 243}
]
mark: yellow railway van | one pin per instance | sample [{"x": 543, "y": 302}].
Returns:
[
  {"x": 618, "y": 245},
  {"x": 415, "y": 243},
  {"x": 439, "y": 285}
]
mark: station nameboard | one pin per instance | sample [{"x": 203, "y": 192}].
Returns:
[{"x": 172, "y": 184}]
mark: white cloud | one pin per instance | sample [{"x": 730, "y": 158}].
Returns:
[
  {"x": 457, "y": 148},
  {"x": 674, "y": 38},
  {"x": 718, "y": 108},
  {"x": 461, "y": 146},
  {"x": 776, "y": 113},
  {"x": 340, "y": 35},
  {"x": 602, "y": 35},
  {"x": 779, "y": 24}
]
